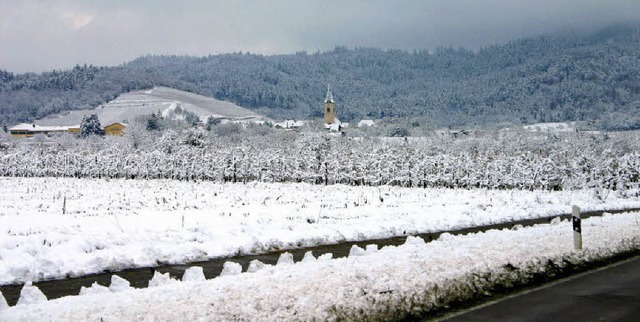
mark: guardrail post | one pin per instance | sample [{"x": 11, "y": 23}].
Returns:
[{"x": 577, "y": 227}]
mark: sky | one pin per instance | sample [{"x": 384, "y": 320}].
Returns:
[{"x": 41, "y": 35}]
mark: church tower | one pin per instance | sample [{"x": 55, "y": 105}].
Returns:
[{"x": 329, "y": 107}]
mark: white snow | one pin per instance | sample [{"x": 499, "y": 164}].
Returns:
[
  {"x": 285, "y": 259},
  {"x": 30, "y": 295},
  {"x": 255, "y": 265},
  {"x": 3, "y": 302},
  {"x": 119, "y": 284},
  {"x": 120, "y": 224},
  {"x": 160, "y": 279},
  {"x": 362, "y": 123},
  {"x": 394, "y": 282},
  {"x": 308, "y": 257},
  {"x": 95, "y": 288},
  {"x": 356, "y": 251},
  {"x": 231, "y": 268},
  {"x": 193, "y": 274}
]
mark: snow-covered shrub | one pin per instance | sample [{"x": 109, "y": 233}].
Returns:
[{"x": 194, "y": 137}]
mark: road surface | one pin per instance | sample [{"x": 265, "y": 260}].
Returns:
[{"x": 611, "y": 293}]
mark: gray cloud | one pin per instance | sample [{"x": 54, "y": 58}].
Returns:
[{"x": 37, "y": 35}]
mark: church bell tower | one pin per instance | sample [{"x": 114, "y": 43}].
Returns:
[{"x": 329, "y": 107}]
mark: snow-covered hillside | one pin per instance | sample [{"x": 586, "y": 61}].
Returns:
[
  {"x": 159, "y": 99},
  {"x": 58, "y": 227}
]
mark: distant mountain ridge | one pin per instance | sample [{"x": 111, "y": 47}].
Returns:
[{"x": 594, "y": 78}]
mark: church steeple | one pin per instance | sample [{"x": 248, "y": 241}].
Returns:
[
  {"x": 329, "y": 98},
  {"x": 329, "y": 107}
]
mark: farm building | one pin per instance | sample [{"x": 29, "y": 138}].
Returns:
[
  {"x": 26, "y": 130},
  {"x": 114, "y": 129}
]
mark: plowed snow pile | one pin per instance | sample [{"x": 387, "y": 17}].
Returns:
[{"x": 392, "y": 282}]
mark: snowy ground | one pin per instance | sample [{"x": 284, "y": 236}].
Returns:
[
  {"x": 119, "y": 224},
  {"x": 391, "y": 283}
]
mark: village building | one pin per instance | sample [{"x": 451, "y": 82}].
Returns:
[
  {"x": 26, "y": 130},
  {"x": 363, "y": 123},
  {"x": 331, "y": 122},
  {"x": 329, "y": 107},
  {"x": 290, "y": 124},
  {"x": 116, "y": 128}
]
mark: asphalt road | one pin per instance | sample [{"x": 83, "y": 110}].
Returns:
[{"x": 611, "y": 293}]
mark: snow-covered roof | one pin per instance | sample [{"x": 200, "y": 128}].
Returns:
[
  {"x": 41, "y": 128},
  {"x": 366, "y": 123},
  {"x": 551, "y": 127},
  {"x": 286, "y": 124},
  {"x": 121, "y": 123},
  {"x": 334, "y": 127}
]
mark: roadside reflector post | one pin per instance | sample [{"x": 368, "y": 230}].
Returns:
[{"x": 577, "y": 228}]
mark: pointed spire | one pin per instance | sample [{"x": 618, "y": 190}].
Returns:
[{"x": 329, "y": 98}]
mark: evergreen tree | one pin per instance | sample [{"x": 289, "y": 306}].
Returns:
[
  {"x": 90, "y": 125},
  {"x": 152, "y": 123}
]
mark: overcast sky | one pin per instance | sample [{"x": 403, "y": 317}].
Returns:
[{"x": 39, "y": 35}]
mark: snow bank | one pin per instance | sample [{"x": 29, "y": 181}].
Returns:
[
  {"x": 159, "y": 279},
  {"x": 95, "y": 288},
  {"x": 407, "y": 281},
  {"x": 30, "y": 295},
  {"x": 231, "y": 268},
  {"x": 119, "y": 284},
  {"x": 193, "y": 274}
]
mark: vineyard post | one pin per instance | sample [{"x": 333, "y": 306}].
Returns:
[{"x": 577, "y": 227}]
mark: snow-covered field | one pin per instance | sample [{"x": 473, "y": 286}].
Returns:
[
  {"x": 391, "y": 283},
  {"x": 53, "y": 228}
]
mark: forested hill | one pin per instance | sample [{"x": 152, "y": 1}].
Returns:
[{"x": 593, "y": 77}]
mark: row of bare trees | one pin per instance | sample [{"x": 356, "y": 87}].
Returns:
[{"x": 483, "y": 160}]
